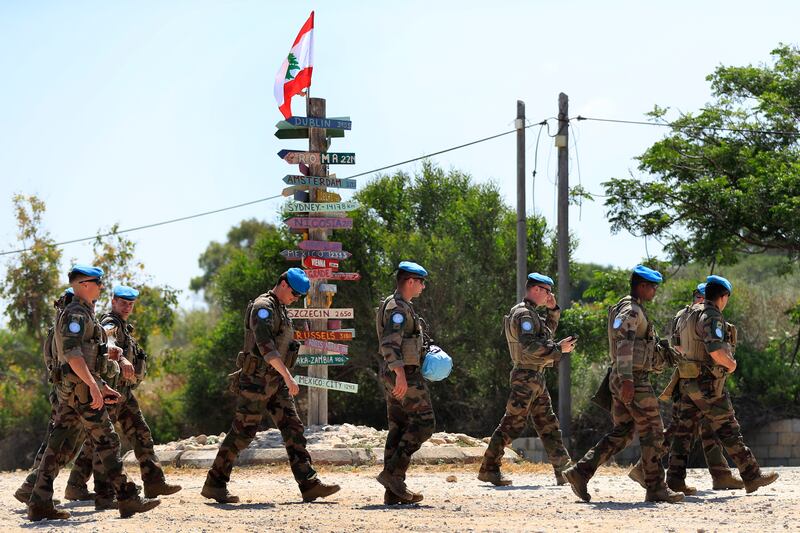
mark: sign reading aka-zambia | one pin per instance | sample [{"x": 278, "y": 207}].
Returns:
[
  {"x": 322, "y": 383},
  {"x": 321, "y": 313},
  {"x": 303, "y": 207}
]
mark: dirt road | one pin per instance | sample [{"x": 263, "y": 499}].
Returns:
[{"x": 271, "y": 502}]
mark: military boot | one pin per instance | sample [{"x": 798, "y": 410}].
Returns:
[
  {"x": 495, "y": 477},
  {"x": 47, "y": 511},
  {"x": 637, "y": 474},
  {"x": 390, "y": 498},
  {"x": 23, "y": 494},
  {"x": 220, "y": 494},
  {"x": 319, "y": 490},
  {"x": 397, "y": 485},
  {"x": 679, "y": 485},
  {"x": 663, "y": 494},
  {"x": 159, "y": 488},
  {"x": 726, "y": 481},
  {"x": 136, "y": 504},
  {"x": 752, "y": 485},
  {"x": 78, "y": 493},
  {"x": 578, "y": 483},
  {"x": 559, "y": 473},
  {"x": 104, "y": 502}
]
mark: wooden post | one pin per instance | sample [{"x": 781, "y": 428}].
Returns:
[
  {"x": 564, "y": 378},
  {"x": 522, "y": 231},
  {"x": 317, "y": 397}
]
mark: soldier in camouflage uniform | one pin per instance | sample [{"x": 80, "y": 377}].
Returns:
[
  {"x": 401, "y": 339},
  {"x": 635, "y": 353},
  {"x": 707, "y": 359},
  {"x": 264, "y": 384},
  {"x": 82, "y": 394},
  {"x": 126, "y": 414},
  {"x": 721, "y": 475},
  {"x": 530, "y": 342}
]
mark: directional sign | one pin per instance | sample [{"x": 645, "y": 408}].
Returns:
[
  {"x": 302, "y": 207},
  {"x": 297, "y": 255},
  {"x": 327, "y": 287},
  {"x": 311, "y": 122},
  {"x": 319, "y": 245},
  {"x": 327, "y": 346},
  {"x": 303, "y": 133},
  {"x": 314, "y": 313},
  {"x": 317, "y": 158},
  {"x": 286, "y": 125},
  {"x": 318, "y": 262},
  {"x": 348, "y": 331},
  {"x": 289, "y": 191},
  {"x": 325, "y": 196},
  {"x": 345, "y": 276},
  {"x": 319, "y": 273},
  {"x": 335, "y": 360},
  {"x": 312, "y": 223},
  {"x": 323, "y": 383},
  {"x": 320, "y": 181},
  {"x": 307, "y": 350},
  {"x": 323, "y": 335}
]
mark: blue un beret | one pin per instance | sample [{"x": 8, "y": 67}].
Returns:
[
  {"x": 413, "y": 268},
  {"x": 88, "y": 270},
  {"x": 719, "y": 280},
  {"x": 701, "y": 288},
  {"x": 126, "y": 293},
  {"x": 298, "y": 280},
  {"x": 540, "y": 278},
  {"x": 648, "y": 274}
]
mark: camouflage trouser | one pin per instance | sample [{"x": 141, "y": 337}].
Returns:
[
  {"x": 129, "y": 420},
  {"x": 712, "y": 447},
  {"x": 642, "y": 416},
  {"x": 250, "y": 409},
  {"x": 411, "y": 420},
  {"x": 706, "y": 397},
  {"x": 529, "y": 396},
  {"x": 74, "y": 415}
]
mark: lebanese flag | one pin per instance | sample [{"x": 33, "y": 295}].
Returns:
[{"x": 294, "y": 76}]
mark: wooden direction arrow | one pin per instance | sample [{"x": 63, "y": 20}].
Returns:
[
  {"x": 327, "y": 346},
  {"x": 313, "y": 223},
  {"x": 308, "y": 350},
  {"x": 302, "y": 207},
  {"x": 324, "y": 383},
  {"x": 327, "y": 287},
  {"x": 320, "y": 181},
  {"x": 345, "y": 276},
  {"x": 320, "y": 263},
  {"x": 326, "y": 196},
  {"x": 294, "y": 157},
  {"x": 314, "y": 313},
  {"x": 319, "y": 273},
  {"x": 327, "y": 123},
  {"x": 303, "y": 133},
  {"x": 333, "y": 360},
  {"x": 286, "y": 125},
  {"x": 323, "y": 335},
  {"x": 297, "y": 255},
  {"x": 319, "y": 245}
]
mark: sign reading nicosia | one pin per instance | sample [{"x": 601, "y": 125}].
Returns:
[
  {"x": 312, "y": 223},
  {"x": 323, "y": 383},
  {"x": 321, "y": 313},
  {"x": 303, "y": 207}
]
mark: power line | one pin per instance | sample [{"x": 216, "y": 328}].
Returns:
[
  {"x": 213, "y": 211},
  {"x": 686, "y": 127}
]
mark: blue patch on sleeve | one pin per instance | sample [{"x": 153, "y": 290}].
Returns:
[
  {"x": 527, "y": 325},
  {"x": 74, "y": 327},
  {"x": 617, "y": 322},
  {"x": 398, "y": 318},
  {"x": 263, "y": 314},
  {"x": 718, "y": 332}
]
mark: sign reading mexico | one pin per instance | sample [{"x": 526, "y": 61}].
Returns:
[{"x": 324, "y": 383}]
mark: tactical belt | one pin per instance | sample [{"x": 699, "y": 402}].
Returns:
[{"x": 537, "y": 368}]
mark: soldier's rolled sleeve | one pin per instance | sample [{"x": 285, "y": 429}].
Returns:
[
  {"x": 261, "y": 322},
  {"x": 624, "y": 337}
]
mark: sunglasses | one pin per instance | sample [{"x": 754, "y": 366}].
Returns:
[
  {"x": 96, "y": 281},
  {"x": 548, "y": 290},
  {"x": 296, "y": 294},
  {"x": 421, "y": 280}
]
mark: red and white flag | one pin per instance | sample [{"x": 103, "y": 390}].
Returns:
[{"x": 294, "y": 76}]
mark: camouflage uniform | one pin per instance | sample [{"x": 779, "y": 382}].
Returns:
[
  {"x": 530, "y": 342},
  {"x": 268, "y": 335},
  {"x": 411, "y": 419},
  {"x": 126, "y": 414},
  {"x": 635, "y": 353},
  {"x": 78, "y": 334},
  {"x": 702, "y": 394}
]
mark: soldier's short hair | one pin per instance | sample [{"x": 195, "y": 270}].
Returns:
[
  {"x": 403, "y": 275},
  {"x": 636, "y": 279},
  {"x": 715, "y": 291},
  {"x": 283, "y": 277}
]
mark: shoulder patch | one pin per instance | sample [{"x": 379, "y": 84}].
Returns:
[
  {"x": 718, "y": 330},
  {"x": 617, "y": 322},
  {"x": 74, "y": 326},
  {"x": 398, "y": 318},
  {"x": 526, "y": 324},
  {"x": 263, "y": 313}
]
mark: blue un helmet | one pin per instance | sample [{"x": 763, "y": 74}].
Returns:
[{"x": 437, "y": 364}]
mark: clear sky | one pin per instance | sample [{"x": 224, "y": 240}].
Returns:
[{"x": 136, "y": 112}]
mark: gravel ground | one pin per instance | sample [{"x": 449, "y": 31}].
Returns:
[{"x": 271, "y": 502}]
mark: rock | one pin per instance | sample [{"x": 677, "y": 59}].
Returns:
[
  {"x": 451, "y": 479},
  {"x": 437, "y": 441},
  {"x": 201, "y": 439}
]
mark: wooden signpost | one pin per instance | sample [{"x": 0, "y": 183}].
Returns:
[
  {"x": 319, "y": 273},
  {"x": 313, "y": 313},
  {"x": 297, "y": 255},
  {"x": 327, "y": 287},
  {"x": 345, "y": 276},
  {"x": 327, "y": 346},
  {"x": 326, "y": 223},
  {"x": 323, "y": 335},
  {"x": 294, "y": 157},
  {"x": 318, "y": 262},
  {"x": 325, "y": 383},
  {"x": 303, "y": 207},
  {"x": 319, "y": 181},
  {"x": 342, "y": 123},
  {"x": 325, "y": 196},
  {"x": 331, "y": 246},
  {"x": 310, "y": 360}
]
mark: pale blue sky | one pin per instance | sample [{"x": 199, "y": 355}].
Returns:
[{"x": 163, "y": 109}]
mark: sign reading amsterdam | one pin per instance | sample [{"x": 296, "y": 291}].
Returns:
[
  {"x": 323, "y": 383},
  {"x": 319, "y": 181},
  {"x": 303, "y": 207},
  {"x": 314, "y": 223},
  {"x": 345, "y": 312}
]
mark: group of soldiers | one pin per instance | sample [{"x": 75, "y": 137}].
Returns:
[{"x": 96, "y": 364}]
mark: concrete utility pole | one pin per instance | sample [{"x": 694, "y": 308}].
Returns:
[
  {"x": 564, "y": 378},
  {"x": 522, "y": 231},
  {"x": 317, "y": 397}
]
